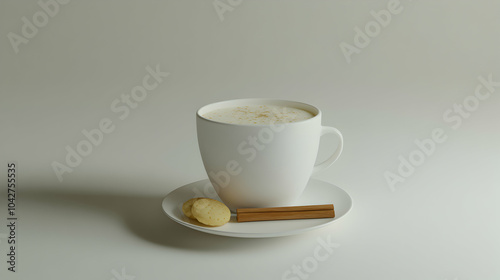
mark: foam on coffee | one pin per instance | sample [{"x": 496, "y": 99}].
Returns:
[{"x": 258, "y": 114}]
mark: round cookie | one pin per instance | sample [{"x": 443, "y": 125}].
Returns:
[
  {"x": 186, "y": 207},
  {"x": 210, "y": 212}
]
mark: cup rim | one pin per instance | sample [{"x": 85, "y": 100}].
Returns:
[{"x": 258, "y": 101}]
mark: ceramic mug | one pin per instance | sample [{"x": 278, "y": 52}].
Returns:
[{"x": 253, "y": 165}]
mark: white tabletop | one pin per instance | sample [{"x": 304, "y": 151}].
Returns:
[{"x": 414, "y": 86}]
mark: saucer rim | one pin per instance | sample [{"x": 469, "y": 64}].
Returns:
[{"x": 219, "y": 232}]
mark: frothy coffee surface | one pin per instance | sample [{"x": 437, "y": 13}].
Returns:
[{"x": 258, "y": 114}]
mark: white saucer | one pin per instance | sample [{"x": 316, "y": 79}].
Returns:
[{"x": 316, "y": 192}]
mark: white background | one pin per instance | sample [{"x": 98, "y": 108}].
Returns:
[{"x": 105, "y": 218}]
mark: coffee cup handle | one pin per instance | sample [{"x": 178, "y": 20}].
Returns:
[{"x": 329, "y": 161}]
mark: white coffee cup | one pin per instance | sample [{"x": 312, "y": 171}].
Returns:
[{"x": 268, "y": 165}]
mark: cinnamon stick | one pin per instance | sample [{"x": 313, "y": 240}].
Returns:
[{"x": 285, "y": 213}]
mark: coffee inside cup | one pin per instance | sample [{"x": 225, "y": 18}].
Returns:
[{"x": 258, "y": 114}]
